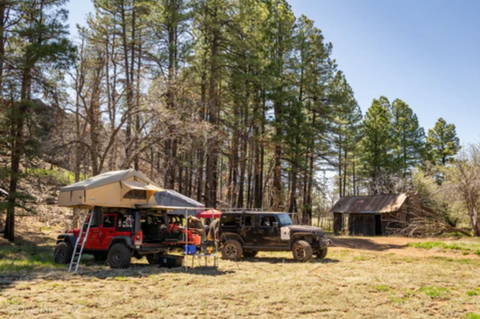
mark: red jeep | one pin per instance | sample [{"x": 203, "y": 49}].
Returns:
[{"x": 123, "y": 233}]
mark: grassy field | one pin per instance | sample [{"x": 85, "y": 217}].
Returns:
[{"x": 360, "y": 278}]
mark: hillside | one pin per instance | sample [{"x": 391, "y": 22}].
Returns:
[{"x": 41, "y": 185}]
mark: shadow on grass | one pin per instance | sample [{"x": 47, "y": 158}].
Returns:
[
  {"x": 145, "y": 270},
  {"x": 281, "y": 260},
  {"x": 364, "y": 244},
  {"x": 22, "y": 262}
]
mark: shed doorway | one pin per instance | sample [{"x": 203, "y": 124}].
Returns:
[{"x": 378, "y": 225}]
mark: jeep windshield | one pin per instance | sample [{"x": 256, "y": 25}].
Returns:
[{"x": 285, "y": 220}]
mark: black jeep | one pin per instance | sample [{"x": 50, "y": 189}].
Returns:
[{"x": 246, "y": 233}]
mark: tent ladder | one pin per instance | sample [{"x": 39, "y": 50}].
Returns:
[{"x": 78, "y": 249}]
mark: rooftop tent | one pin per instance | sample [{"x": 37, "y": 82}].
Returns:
[
  {"x": 125, "y": 188},
  {"x": 172, "y": 198}
]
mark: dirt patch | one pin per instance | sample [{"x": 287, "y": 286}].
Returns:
[{"x": 397, "y": 245}]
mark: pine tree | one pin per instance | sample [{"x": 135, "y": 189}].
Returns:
[
  {"x": 345, "y": 129},
  {"x": 168, "y": 24},
  {"x": 40, "y": 46},
  {"x": 442, "y": 143},
  {"x": 280, "y": 26},
  {"x": 313, "y": 68},
  {"x": 376, "y": 145},
  {"x": 407, "y": 136}
]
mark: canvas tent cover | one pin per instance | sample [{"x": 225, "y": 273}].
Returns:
[{"x": 125, "y": 188}]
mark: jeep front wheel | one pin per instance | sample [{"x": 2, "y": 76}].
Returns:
[
  {"x": 322, "y": 253},
  {"x": 63, "y": 253},
  {"x": 119, "y": 256},
  {"x": 302, "y": 251},
  {"x": 232, "y": 250}
]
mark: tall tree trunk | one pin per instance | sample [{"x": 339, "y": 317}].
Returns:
[
  {"x": 3, "y": 7},
  {"x": 340, "y": 165},
  {"x": 249, "y": 179},
  {"x": 212, "y": 146},
  {"x": 309, "y": 172},
  {"x": 128, "y": 85},
  {"x": 259, "y": 154},
  {"x": 202, "y": 113},
  {"x": 18, "y": 121},
  {"x": 345, "y": 164},
  {"x": 243, "y": 166},
  {"x": 354, "y": 179},
  {"x": 277, "y": 179},
  {"x": 293, "y": 189},
  {"x": 138, "y": 99}
]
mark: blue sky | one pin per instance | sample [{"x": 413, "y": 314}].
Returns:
[{"x": 425, "y": 52}]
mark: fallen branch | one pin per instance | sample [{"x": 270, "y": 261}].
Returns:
[{"x": 422, "y": 222}]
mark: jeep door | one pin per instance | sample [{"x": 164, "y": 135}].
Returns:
[
  {"x": 247, "y": 230},
  {"x": 268, "y": 231},
  {"x": 106, "y": 231},
  {"x": 92, "y": 240}
]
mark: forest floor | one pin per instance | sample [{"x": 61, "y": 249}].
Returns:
[{"x": 362, "y": 277}]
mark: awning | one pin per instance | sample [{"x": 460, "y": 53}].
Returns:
[
  {"x": 140, "y": 186},
  {"x": 185, "y": 205},
  {"x": 171, "y": 208}
]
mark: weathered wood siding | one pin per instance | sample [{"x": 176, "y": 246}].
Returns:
[
  {"x": 361, "y": 225},
  {"x": 337, "y": 223}
]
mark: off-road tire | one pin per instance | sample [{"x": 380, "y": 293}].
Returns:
[
  {"x": 302, "y": 251},
  {"x": 322, "y": 253},
  {"x": 63, "y": 253},
  {"x": 249, "y": 253},
  {"x": 100, "y": 257},
  {"x": 232, "y": 250},
  {"x": 119, "y": 256},
  {"x": 154, "y": 259}
]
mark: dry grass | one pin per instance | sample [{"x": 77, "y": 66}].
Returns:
[{"x": 350, "y": 283}]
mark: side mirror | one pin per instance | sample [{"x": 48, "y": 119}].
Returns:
[{"x": 275, "y": 224}]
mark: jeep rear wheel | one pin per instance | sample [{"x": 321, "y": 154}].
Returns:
[
  {"x": 119, "y": 256},
  {"x": 322, "y": 253},
  {"x": 302, "y": 251},
  {"x": 63, "y": 253},
  {"x": 250, "y": 253},
  {"x": 232, "y": 250}
]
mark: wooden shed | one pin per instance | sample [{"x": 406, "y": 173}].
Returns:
[{"x": 370, "y": 215}]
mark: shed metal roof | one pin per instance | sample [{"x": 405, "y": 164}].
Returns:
[{"x": 369, "y": 204}]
